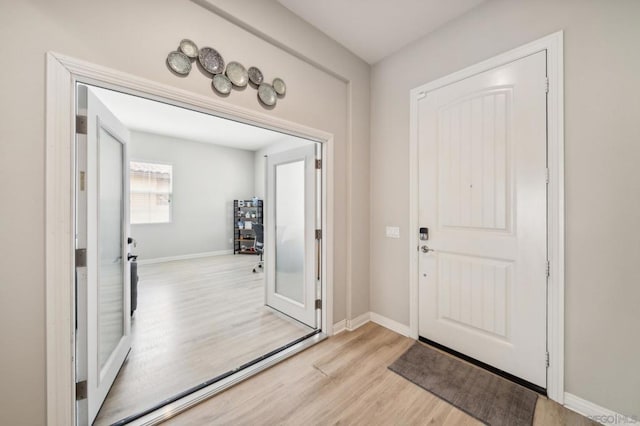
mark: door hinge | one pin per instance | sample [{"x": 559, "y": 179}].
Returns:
[
  {"x": 81, "y": 258},
  {"x": 81, "y": 124},
  {"x": 81, "y": 390},
  {"x": 318, "y": 164},
  {"x": 546, "y": 85},
  {"x": 318, "y": 234},
  {"x": 547, "y": 175},
  {"x": 82, "y": 180},
  {"x": 548, "y": 269},
  {"x": 318, "y": 304},
  {"x": 546, "y": 359}
]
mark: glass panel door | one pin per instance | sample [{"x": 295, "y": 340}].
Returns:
[
  {"x": 103, "y": 339},
  {"x": 289, "y": 218},
  {"x": 291, "y": 251},
  {"x": 111, "y": 286}
]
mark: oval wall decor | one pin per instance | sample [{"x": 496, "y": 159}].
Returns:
[
  {"x": 234, "y": 75},
  {"x": 179, "y": 63},
  {"x": 211, "y": 60}
]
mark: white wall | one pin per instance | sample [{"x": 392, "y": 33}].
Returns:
[
  {"x": 206, "y": 180},
  {"x": 602, "y": 131},
  {"x": 135, "y": 37}
]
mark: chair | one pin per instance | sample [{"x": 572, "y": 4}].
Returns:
[{"x": 258, "y": 243}]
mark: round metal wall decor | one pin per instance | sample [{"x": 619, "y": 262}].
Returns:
[
  {"x": 189, "y": 48},
  {"x": 179, "y": 63},
  {"x": 225, "y": 79},
  {"x": 211, "y": 60},
  {"x": 279, "y": 86},
  {"x": 222, "y": 84},
  {"x": 255, "y": 75},
  {"x": 237, "y": 73},
  {"x": 267, "y": 94}
]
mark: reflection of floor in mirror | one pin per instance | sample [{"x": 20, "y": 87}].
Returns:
[{"x": 196, "y": 319}]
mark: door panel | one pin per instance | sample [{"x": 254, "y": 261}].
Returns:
[
  {"x": 290, "y": 219},
  {"x": 482, "y": 168},
  {"x": 473, "y": 292},
  {"x": 102, "y": 210},
  {"x": 289, "y": 236},
  {"x": 111, "y": 268},
  {"x": 473, "y": 149}
]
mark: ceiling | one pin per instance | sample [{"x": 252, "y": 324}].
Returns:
[
  {"x": 156, "y": 117},
  {"x": 374, "y": 29}
]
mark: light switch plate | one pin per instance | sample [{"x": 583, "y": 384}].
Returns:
[{"x": 393, "y": 232}]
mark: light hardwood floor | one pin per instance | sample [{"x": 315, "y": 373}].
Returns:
[
  {"x": 343, "y": 380},
  {"x": 196, "y": 319}
]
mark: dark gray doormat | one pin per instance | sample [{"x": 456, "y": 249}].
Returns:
[{"x": 481, "y": 394}]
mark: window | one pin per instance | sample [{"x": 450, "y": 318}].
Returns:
[{"x": 150, "y": 185}]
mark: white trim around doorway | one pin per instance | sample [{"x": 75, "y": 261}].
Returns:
[
  {"x": 61, "y": 77},
  {"x": 553, "y": 44}
]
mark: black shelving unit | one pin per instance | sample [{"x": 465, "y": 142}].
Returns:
[{"x": 245, "y": 214}]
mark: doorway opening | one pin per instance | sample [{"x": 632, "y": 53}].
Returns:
[{"x": 202, "y": 249}]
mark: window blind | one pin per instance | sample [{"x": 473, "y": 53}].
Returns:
[{"x": 150, "y": 192}]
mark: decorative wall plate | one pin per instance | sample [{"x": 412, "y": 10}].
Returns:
[
  {"x": 189, "y": 48},
  {"x": 211, "y": 60},
  {"x": 267, "y": 94},
  {"x": 222, "y": 84},
  {"x": 224, "y": 78},
  {"x": 237, "y": 73},
  {"x": 279, "y": 86},
  {"x": 255, "y": 75},
  {"x": 179, "y": 62}
]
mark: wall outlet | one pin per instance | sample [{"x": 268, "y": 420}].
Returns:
[{"x": 393, "y": 232}]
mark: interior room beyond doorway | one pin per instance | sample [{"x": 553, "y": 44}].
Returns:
[
  {"x": 201, "y": 308},
  {"x": 197, "y": 318}
]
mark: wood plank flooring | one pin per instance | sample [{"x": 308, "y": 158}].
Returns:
[
  {"x": 343, "y": 380},
  {"x": 196, "y": 319}
]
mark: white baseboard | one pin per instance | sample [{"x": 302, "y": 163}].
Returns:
[
  {"x": 597, "y": 413},
  {"x": 390, "y": 324},
  {"x": 350, "y": 325},
  {"x": 358, "y": 321},
  {"x": 339, "y": 327},
  {"x": 184, "y": 257}
]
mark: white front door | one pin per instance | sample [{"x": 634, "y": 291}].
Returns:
[
  {"x": 290, "y": 245},
  {"x": 103, "y": 337},
  {"x": 483, "y": 197}
]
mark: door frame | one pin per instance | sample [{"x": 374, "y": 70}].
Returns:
[
  {"x": 553, "y": 44},
  {"x": 62, "y": 74}
]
